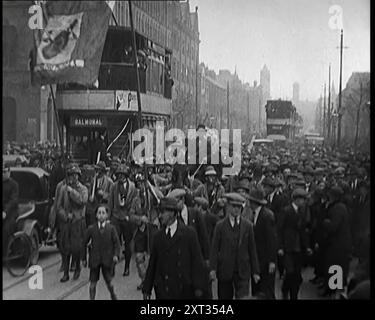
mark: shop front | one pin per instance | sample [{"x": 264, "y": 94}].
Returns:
[{"x": 85, "y": 133}]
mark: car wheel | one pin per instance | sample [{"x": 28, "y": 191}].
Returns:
[{"x": 34, "y": 246}]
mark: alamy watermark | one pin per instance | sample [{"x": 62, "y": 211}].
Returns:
[{"x": 180, "y": 152}]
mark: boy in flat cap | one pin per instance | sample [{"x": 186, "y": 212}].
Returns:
[
  {"x": 233, "y": 258},
  {"x": 176, "y": 269}
]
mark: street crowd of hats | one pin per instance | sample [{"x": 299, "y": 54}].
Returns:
[{"x": 289, "y": 170}]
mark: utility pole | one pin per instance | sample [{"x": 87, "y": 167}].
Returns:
[
  {"x": 248, "y": 110},
  {"x": 134, "y": 45},
  {"x": 329, "y": 105},
  {"x": 324, "y": 111},
  {"x": 228, "y": 116},
  {"x": 340, "y": 87},
  {"x": 259, "y": 114}
]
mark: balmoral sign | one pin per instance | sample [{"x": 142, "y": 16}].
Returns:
[{"x": 79, "y": 121}]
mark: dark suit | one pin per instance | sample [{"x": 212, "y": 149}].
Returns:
[
  {"x": 234, "y": 259},
  {"x": 339, "y": 242},
  {"x": 279, "y": 201},
  {"x": 293, "y": 239},
  {"x": 266, "y": 244},
  {"x": 196, "y": 221},
  {"x": 176, "y": 266},
  {"x": 105, "y": 244}
]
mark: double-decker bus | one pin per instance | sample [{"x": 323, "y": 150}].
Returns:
[
  {"x": 280, "y": 115},
  {"x": 103, "y": 109}
]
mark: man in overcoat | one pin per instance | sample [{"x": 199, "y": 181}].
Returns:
[
  {"x": 71, "y": 208},
  {"x": 176, "y": 268},
  {"x": 266, "y": 244},
  {"x": 233, "y": 258}
]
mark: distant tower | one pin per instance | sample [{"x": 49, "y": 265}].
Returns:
[
  {"x": 265, "y": 82},
  {"x": 295, "y": 92}
]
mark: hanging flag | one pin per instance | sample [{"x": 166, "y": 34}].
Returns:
[{"x": 69, "y": 48}]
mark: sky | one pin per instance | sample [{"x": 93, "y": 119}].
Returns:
[{"x": 292, "y": 37}]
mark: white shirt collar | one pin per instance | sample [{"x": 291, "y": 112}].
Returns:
[
  {"x": 231, "y": 220},
  {"x": 256, "y": 214},
  {"x": 294, "y": 207},
  {"x": 103, "y": 223},
  {"x": 184, "y": 214},
  {"x": 173, "y": 228},
  {"x": 272, "y": 195}
]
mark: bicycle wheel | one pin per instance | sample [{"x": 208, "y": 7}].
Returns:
[
  {"x": 18, "y": 255},
  {"x": 34, "y": 247}
]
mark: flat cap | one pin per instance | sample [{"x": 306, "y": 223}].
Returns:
[
  {"x": 336, "y": 191},
  {"x": 268, "y": 181},
  {"x": 202, "y": 202},
  {"x": 169, "y": 203},
  {"x": 257, "y": 195},
  {"x": 235, "y": 198},
  {"x": 309, "y": 170},
  {"x": 299, "y": 193},
  {"x": 176, "y": 193}
]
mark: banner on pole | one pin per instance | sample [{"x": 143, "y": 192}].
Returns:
[{"x": 69, "y": 48}]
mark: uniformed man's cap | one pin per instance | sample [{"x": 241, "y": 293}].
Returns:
[
  {"x": 299, "y": 193},
  {"x": 74, "y": 168},
  {"x": 201, "y": 202},
  {"x": 177, "y": 193},
  {"x": 210, "y": 171},
  {"x": 169, "y": 203},
  {"x": 235, "y": 198}
]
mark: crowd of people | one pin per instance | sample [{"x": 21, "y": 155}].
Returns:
[{"x": 290, "y": 207}]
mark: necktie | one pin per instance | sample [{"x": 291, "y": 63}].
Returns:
[{"x": 169, "y": 236}]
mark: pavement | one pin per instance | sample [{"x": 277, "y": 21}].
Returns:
[{"x": 125, "y": 287}]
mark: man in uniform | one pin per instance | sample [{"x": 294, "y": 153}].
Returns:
[
  {"x": 176, "y": 268},
  {"x": 10, "y": 205},
  {"x": 71, "y": 208},
  {"x": 122, "y": 206},
  {"x": 266, "y": 244},
  {"x": 213, "y": 191},
  {"x": 233, "y": 258}
]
